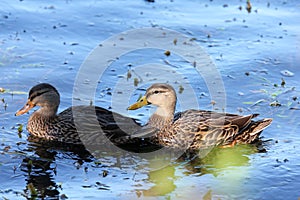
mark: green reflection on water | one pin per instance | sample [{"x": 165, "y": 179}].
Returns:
[{"x": 229, "y": 167}]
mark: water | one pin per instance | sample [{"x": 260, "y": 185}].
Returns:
[{"x": 48, "y": 41}]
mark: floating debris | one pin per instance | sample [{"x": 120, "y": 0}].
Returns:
[
  {"x": 86, "y": 169},
  {"x": 175, "y": 41},
  {"x": 254, "y": 103},
  {"x": 240, "y": 110},
  {"x": 275, "y": 104},
  {"x": 282, "y": 82},
  {"x": 287, "y": 73},
  {"x": 181, "y": 88},
  {"x": 20, "y": 130},
  {"x": 295, "y": 98},
  {"x": 77, "y": 164},
  {"x": 203, "y": 94},
  {"x": 87, "y": 186},
  {"x": 194, "y": 64},
  {"x": 104, "y": 173},
  {"x": 230, "y": 76},
  {"x": 2, "y": 89},
  {"x": 213, "y": 102},
  {"x": 249, "y": 6},
  {"x": 129, "y": 74},
  {"x": 7, "y": 148},
  {"x": 97, "y": 163},
  {"x": 136, "y": 82},
  {"x": 167, "y": 53}
]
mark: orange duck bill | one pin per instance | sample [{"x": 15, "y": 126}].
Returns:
[{"x": 25, "y": 109}]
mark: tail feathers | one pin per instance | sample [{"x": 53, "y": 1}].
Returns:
[
  {"x": 251, "y": 133},
  {"x": 260, "y": 125}
]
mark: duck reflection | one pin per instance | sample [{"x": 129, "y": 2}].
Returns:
[
  {"x": 220, "y": 159},
  {"x": 40, "y": 168},
  {"x": 216, "y": 162},
  {"x": 40, "y": 163}
]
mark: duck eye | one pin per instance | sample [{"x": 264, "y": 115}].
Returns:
[{"x": 156, "y": 92}]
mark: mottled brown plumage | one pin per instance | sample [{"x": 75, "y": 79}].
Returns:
[
  {"x": 195, "y": 129},
  {"x": 75, "y": 124}
]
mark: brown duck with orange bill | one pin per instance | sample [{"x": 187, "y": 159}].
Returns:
[{"x": 74, "y": 124}]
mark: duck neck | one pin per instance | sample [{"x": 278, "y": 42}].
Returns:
[
  {"x": 45, "y": 114},
  {"x": 162, "y": 117},
  {"x": 40, "y": 121}
]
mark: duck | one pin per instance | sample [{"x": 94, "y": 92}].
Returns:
[
  {"x": 75, "y": 124},
  {"x": 195, "y": 129}
]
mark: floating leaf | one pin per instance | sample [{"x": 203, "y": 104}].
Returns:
[
  {"x": 20, "y": 128},
  {"x": 281, "y": 116},
  {"x": 275, "y": 94},
  {"x": 248, "y": 102},
  {"x": 15, "y": 92},
  {"x": 254, "y": 103},
  {"x": 259, "y": 91}
]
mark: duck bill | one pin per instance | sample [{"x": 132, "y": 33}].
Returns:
[
  {"x": 25, "y": 109},
  {"x": 140, "y": 103}
]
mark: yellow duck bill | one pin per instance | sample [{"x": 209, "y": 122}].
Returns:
[{"x": 140, "y": 103}]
